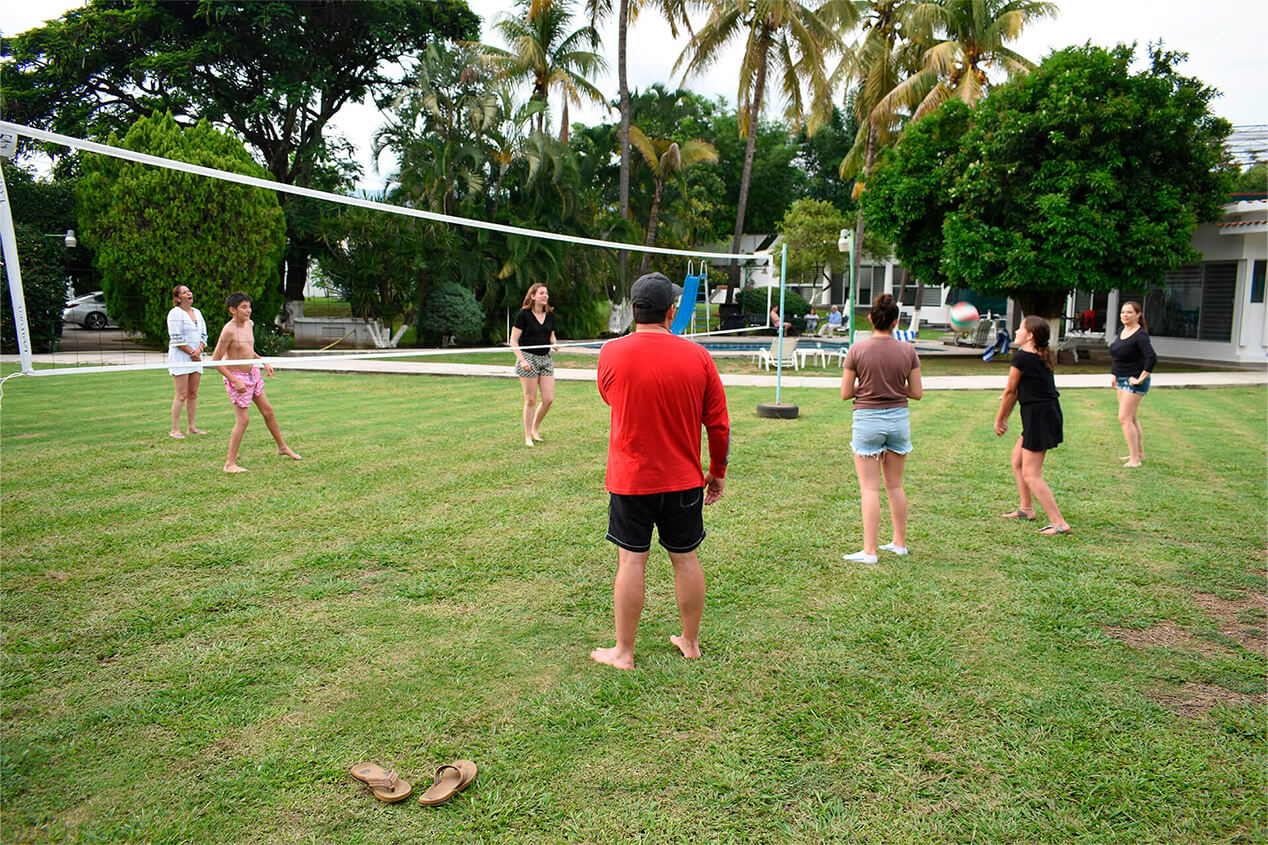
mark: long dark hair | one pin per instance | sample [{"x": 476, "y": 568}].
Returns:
[
  {"x": 1140, "y": 312},
  {"x": 1037, "y": 328},
  {"x": 884, "y": 312},
  {"x": 528, "y": 297}
]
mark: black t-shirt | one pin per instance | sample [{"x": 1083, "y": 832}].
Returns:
[
  {"x": 533, "y": 333},
  {"x": 1037, "y": 383},
  {"x": 1132, "y": 356}
]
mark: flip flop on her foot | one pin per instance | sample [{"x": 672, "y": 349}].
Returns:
[
  {"x": 1053, "y": 530},
  {"x": 1020, "y": 514},
  {"x": 386, "y": 786},
  {"x": 196, "y": 431},
  {"x": 450, "y": 779},
  {"x": 176, "y": 435}
]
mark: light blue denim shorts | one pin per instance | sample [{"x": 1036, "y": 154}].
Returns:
[
  {"x": 1123, "y": 383},
  {"x": 879, "y": 429}
]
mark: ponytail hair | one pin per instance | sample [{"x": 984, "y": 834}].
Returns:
[
  {"x": 176, "y": 294},
  {"x": 1040, "y": 332},
  {"x": 884, "y": 312},
  {"x": 1140, "y": 312}
]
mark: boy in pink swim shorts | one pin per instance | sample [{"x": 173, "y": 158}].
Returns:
[{"x": 243, "y": 382}]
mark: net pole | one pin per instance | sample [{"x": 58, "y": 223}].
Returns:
[{"x": 14, "y": 273}]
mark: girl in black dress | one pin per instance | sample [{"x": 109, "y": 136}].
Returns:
[
  {"x": 1030, "y": 382},
  {"x": 1134, "y": 361},
  {"x": 535, "y": 328}
]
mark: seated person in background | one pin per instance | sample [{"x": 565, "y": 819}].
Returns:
[
  {"x": 812, "y": 320},
  {"x": 834, "y": 323},
  {"x": 775, "y": 319}
]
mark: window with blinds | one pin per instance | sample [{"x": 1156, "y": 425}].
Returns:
[{"x": 1197, "y": 302}]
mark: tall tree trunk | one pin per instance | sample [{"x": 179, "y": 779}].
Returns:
[
  {"x": 750, "y": 148},
  {"x": 856, "y": 259},
  {"x": 652, "y": 221},
  {"x": 617, "y": 295}
]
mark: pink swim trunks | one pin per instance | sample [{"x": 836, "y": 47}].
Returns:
[{"x": 254, "y": 387}]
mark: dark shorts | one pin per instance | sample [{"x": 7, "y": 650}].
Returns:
[
  {"x": 678, "y": 517},
  {"x": 1042, "y": 426}
]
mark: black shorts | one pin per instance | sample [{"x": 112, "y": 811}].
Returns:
[{"x": 678, "y": 517}]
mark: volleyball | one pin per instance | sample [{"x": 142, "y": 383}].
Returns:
[{"x": 963, "y": 316}]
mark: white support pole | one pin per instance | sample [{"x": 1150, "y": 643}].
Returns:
[{"x": 10, "y": 243}]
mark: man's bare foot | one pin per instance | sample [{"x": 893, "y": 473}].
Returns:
[
  {"x": 289, "y": 452},
  {"x": 234, "y": 468},
  {"x": 612, "y": 657},
  {"x": 690, "y": 650}
]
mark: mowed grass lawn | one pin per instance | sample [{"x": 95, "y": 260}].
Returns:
[{"x": 195, "y": 657}]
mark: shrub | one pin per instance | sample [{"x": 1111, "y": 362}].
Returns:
[
  {"x": 153, "y": 228},
  {"x": 449, "y": 309}
]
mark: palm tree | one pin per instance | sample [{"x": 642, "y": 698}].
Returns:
[
  {"x": 666, "y": 158},
  {"x": 971, "y": 38},
  {"x": 784, "y": 39},
  {"x": 887, "y": 53},
  {"x": 674, "y": 11},
  {"x": 543, "y": 51}
]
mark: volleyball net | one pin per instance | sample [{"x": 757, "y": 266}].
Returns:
[{"x": 109, "y": 353}]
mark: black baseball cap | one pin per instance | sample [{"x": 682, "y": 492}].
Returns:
[{"x": 654, "y": 291}]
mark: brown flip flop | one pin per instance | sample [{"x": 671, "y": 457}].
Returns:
[
  {"x": 450, "y": 779},
  {"x": 385, "y": 785}
]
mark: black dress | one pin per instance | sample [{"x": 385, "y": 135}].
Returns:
[{"x": 1041, "y": 421}]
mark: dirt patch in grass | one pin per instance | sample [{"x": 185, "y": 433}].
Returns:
[
  {"x": 1166, "y": 634},
  {"x": 1244, "y": 620},
  {"x": 1198, "y": 699}
]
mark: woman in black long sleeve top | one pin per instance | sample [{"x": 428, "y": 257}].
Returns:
[{"x": 1134, "y": 361}]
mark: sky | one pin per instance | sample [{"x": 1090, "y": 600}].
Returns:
[{"x": 1225, "y": 40}]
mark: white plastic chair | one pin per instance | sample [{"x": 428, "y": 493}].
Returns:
[{"x": 784, "y": 355}]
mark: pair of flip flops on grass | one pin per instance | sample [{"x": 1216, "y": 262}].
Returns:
[{"x": 449, "y": 780}]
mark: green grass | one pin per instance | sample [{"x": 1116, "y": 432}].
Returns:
[{"x": 194, "y": 657}]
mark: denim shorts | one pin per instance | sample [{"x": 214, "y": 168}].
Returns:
[
  {"x": 879, "y": 429},
  {"x": 1123, "y": 383}
]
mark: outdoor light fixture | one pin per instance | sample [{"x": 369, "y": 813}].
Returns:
[{"x": 69, "y": 238}]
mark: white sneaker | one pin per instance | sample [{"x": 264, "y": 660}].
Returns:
[
  {"x": 860, "y": 557},
  {"x": 898, "y": 550}
]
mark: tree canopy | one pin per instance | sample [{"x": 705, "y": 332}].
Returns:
[
  {"x": 152, "y": 228},
  {"x": 1082, "y": 174}
]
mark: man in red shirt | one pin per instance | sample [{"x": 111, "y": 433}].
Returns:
[{"x": 662, "y": 389}]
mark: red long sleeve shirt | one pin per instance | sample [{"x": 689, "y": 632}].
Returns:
[{"x": 662, "y": 388}]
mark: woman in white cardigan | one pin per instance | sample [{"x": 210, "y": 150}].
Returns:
[{"x": 186, "y": 340}]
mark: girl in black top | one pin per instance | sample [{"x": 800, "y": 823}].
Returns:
[
  {"x": 1134, "y": 361},
  {"x": 535, "y": 328},
  {"x": 1030, "y": 382}
]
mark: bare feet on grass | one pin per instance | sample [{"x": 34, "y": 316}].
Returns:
[
  {"x": 537, "y": 437},
  {"x": 690, "y": 648},
  {"x": 234, "y": 468},
  {"x": 613, "y": 657},
  {"x": 289, "y": 452}
]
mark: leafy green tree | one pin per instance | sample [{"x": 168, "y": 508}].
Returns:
[
  {"x": 275, "y": 73},
  {"x": 811, "y": 228},
  {"x": 1083, "y": 174},
  {"x": 774, "y": 183},
  {"x": 49, "y": 207},
  {"x": 153, "y": 228},
  {"x": 785, "y": 40},
  {"x": 1252, "y": 180}
]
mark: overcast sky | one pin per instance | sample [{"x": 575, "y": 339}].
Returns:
[{"x": 1225, "y": 40}]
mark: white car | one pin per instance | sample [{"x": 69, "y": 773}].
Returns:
[{"x": 88, "y": 311}]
